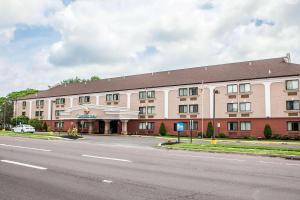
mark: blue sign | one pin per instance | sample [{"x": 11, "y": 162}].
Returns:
[
  {"x": 180, "y": 126},
  {"x": 86, "y": 116}
]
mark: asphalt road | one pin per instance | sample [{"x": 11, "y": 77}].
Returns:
[{"x": 39, "y": 169}]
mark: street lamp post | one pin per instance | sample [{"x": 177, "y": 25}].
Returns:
[
  {"x": 214, "y": 113},
  {"x": 51, "y": 114}
]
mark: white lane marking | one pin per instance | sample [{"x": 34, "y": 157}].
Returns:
[
  {"x": 21, "y": 147},
  {"x": 106, "y": 181},
  {"x": 24, "y": 164},
  {"x": 106, "y": 158},
  {"x": 274, "y": 163},
  {"x": 293, "y": 164}
]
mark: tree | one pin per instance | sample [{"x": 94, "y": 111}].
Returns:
[
  {"x": 267, "y": 131},
  {"x": 45, "y": 127},
  {"x": 20, "y": 120},
  {"x": 78, "y": 80},
  {"x": 162, "y": 129},
  {"x": 94, "y": 78},
  {"x": 37, "y": 124},
  {"x": 210, "y": 130}
]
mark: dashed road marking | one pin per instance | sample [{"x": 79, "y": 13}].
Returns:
[
  {"x": 24, "y": 164},
  {"x": 106, "y": 181},
  {"x": 106, "y": 158},
  {"x": 21, "y": 147}
]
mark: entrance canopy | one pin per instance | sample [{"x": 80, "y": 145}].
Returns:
[{"x": 92, "y": 111}]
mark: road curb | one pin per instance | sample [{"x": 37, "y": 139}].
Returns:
[{"x": 161, "y": 146}]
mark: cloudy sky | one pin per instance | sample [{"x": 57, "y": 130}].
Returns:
[{"x": 45, "y": 41}]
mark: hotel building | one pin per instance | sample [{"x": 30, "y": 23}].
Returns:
[{"x": 248, "y": 95}]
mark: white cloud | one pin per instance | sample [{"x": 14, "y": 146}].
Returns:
[{"x": 118, "y": 37}]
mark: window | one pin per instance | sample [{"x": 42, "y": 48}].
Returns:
[
  {"x": 39, "y": 103},
  {"x": 183, "y": 92},
  {"x": 193, "y": 91},
  {"x": 232, "y": 88},
  {"x": 116, "y": 97},
  {"x": 84, "y": 99},
  {"x": 245, "y": 87},
  {"x": 142, "y": 110},
  {"x": 23, "y": 113},
  {"x": 194, "y": 125},
  {"x": 85, "y": 125},
  {"x": 232, "y": 126},
  {"x": 193, "y": 108},
  {"x": 24, "y": 104},
  {"x": 293, "y": 105},
  {"x": 292, "y": 85},
  {"x": 293, "y": 126},
  {"x": 58, "y": 112},
  {"x": 245, "y": 106},
  {"x": 39, "y": 113},
  {"x": 151, "y": 94},
  {"x": 142, "y": 95},
  {"x": 232, "y": 107},
  {"x": 109, "y": 97},
  {"x": 60, "y": 101},
  {"x": 183, "y": 108},
  {"x": 245, "y": 126},
  {"x": 150, "y": 109},
  {"x": 59, "y": 124},
  {"x": 146, "y": 125}
]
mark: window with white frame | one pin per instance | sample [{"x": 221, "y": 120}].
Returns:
[
  {"x": 24, "y": 104},
  {"x": 59, "y": 124},
  {"x": 233, "y": 88},
  {"x": 245, "y": 126},
  {"x": 193, "y": 108},
  {"x": 245, "y": 106},
  {"x": 183, "y": 91},
  {"x": 232, "y": 126},
  {"x": 193, "y": 91},
  {"x": 293, "y": 105},
  {"x": 244, "y": 87},
  {"x": 293, "y": 126},
  {"x": 150, "y": 109},
  {"x": 116, "y": 97},
  {"x": 146, "y": 125},
  {"x": 183, "y": 108},
  {"x": 60, "y": 101},
  {"x": 142, "y": 110},
  {"x": 58, "y": 112},
  {"x": 151, "y": 94},
  {"x": 39, "y": 113},
  {"x": 194, "y": 125},
  {"x": 84, "y": 99},
  {"x": 292, "y": 84},
  {"x": 23, "y": 113},
  {"x": 39, "y": 103},
  {"x": 142, "y": 95},
  {"x": 232, "y": 107}
]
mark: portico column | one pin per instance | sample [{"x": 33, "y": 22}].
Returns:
[
  {"x": 124, "y": 127},
  {"x": 107, "y": 127},
  {"x": 91, "y": 127}
]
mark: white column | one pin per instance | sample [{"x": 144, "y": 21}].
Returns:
[
  {"x": 124, "y": 127},
  {"x": 49, "y": 108},
  {"x": 107, "y": 127},
  {"x": 30, "y": 109},
  {"x": 211, "y": 101},
  {"x": 166, "y": 104},
  {"x": 71, "y": 102},
  {"x": 97, "y": 100},
  {"x": 128, "y": 100},
  {"x": 267, "y": 99}
]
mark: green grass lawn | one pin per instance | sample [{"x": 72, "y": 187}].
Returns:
[
  {"x": 232, "y": 148},
  {"x": 45, "y": 136}
]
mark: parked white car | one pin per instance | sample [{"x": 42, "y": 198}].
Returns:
[{"x": 23, "y": 128}]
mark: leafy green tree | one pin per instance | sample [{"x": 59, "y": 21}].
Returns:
[
  {"x": 37, "y": 124},
  {"x": 162, "y": 129},
  {"x": 78, "y": 80},
  {"x": 267, "y": 131},
  {"x": 94, "y": 78},
  {"x": 210, "y": 130},
  {"x": 20, "y": 120},
  {"x": 45, "y": 127}
]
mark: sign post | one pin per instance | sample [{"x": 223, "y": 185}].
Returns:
[
  {"x": 179, "y": 128},
  {"x": 191, "y": 128}
]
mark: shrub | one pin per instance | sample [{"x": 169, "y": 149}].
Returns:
[
  {"x": 276, "y": 137},
  {"x": 45, "y": 127},
  {"x": 37, "y": 124},
  {"x": 49, "y": 129},
  {"x": 252, "y": 138},
  {"x": 285, "y": 137},
  {"x": 222, "y": 135},
  {"x": 162, "y": 129},
  {"x": 267, "y": 131},
  {"x": 210, "y": 130},
  {"x": 73, "y": 133}
]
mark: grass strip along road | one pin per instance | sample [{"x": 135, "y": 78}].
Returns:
[
  {"x": 45, "y": 136},
  {"x": 229, "y": 148}
]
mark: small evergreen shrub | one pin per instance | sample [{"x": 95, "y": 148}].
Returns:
[
  {"x": 210, "y": 130},
  {"x": 267, "y": 131},
  {"x": 222, "y": 135},
  {"x": 162, "y": 129}
]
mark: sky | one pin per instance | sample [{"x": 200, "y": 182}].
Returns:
[{"x": 45, "y": 41}]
